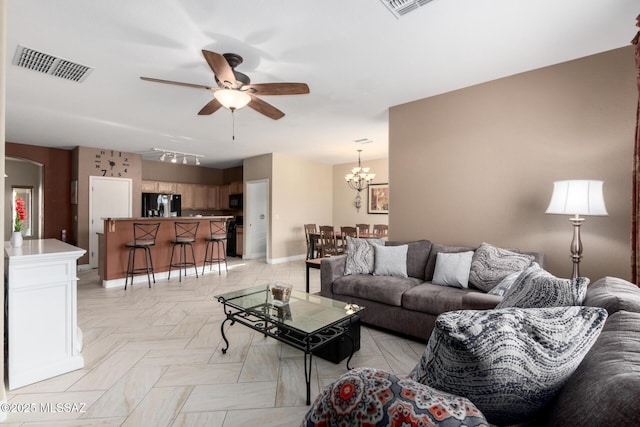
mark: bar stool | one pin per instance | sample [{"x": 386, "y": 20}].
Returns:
[
  {"x": 144, "y": 237},
  {"x": 217, "y": 240},
  {"x": 185, "y": 236}
]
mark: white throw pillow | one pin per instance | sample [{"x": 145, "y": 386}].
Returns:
[
  {"x": 390, "y": 260},
  {"x": 452, "y": 269}
]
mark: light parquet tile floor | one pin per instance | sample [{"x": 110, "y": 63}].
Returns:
[{"x": 153, "y": 358}]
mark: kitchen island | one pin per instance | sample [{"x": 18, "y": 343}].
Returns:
[{"x": 113, "y": 254}]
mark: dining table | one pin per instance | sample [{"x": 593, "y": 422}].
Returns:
[{"x": 338, "y": 234}]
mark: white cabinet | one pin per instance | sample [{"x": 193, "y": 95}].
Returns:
[{"x": 41, "y": 326}]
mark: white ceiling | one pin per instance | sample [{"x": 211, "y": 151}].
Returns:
[{"x": 356, "y": 57}]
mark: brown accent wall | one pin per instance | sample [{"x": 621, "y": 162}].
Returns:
[
  {"x": 57, "y": 166},
  {"x": 154, "y": 170},
  {"x": 478, "y": 164}
]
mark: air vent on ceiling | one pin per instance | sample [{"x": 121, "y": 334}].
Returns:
[
  {"x": 363, "y": 141},
  {"x": 49, "y": 64},
  {"x": 402, "y": 7}
]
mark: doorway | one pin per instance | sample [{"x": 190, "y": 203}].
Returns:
[
  {"x": 108, "y": 198},
  {"x": 256, "y": 223},
  {"x": 26, "y": 177}
]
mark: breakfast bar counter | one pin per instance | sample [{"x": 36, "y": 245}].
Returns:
[{"x": 113, "y": 253}]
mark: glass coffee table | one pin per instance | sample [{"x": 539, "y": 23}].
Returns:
[{"x": 307, "y": 322}]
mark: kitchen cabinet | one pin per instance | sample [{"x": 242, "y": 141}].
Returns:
[
  {"x": 225, "y": 190},
  {"x": 187, "y": 193},
  {"x": 213, "y": 197},
  {"x": 200, "y": 196},
  {"x": 167, "y": 187},
  {"x": 41, "y": 310},
  {"x": 239, "y": 241},
  {"x": 236, "y": 187},
  {"x": 149, "y": 187}
]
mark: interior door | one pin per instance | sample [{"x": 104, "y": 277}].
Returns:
[
  {"x": 108, "y": 198},
  {"x": 256, "y": 220}
]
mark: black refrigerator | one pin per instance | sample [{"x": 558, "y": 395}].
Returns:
[{"x": 158, "y": 204}]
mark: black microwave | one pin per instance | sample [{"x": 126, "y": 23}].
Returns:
[{"x": 235, "y": 201}]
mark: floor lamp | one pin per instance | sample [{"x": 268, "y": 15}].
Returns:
[{"x": 577, "y": 197}]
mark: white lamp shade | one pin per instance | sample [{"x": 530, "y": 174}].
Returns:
[
  {"x": 232, "y": 99},
  {"x": 577, "y": 197}
]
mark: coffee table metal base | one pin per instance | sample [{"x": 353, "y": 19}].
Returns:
[{"x": 307, "y": 342}]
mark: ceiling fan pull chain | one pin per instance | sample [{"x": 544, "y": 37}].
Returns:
[{"x": 233, "y": 124}]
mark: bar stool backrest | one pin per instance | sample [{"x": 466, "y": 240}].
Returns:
[
  {"x": 218, "y": 228},
  {"x": 186, "y": 231},
  {"x": 144, "y": 233}
]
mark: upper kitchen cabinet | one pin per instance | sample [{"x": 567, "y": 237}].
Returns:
[
  {"x": 149, "y": 186},
  {"x": 200, "y": 196},
  {"x": 236, "y": 187},
  {"x": 187, "y": 193},
  {"x": 213, "y": 197},
  {"x": 167, "y": 187}
]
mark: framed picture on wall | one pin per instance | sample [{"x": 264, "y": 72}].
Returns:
[
  {"x": 74, "y": 192},
  {"x": 378, "y": 199}
]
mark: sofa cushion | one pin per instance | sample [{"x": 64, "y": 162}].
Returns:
[
  {"x": 436, "y": 248},
  {"x": 360, "y": 256},
  {"x": 434, "y": 299},
  {"x": 384, "y": 289},
  {"x": 492, "y": 264},
  {"x": 452, "y": 269},
  {"x": 372, "y": 397},
  {"x": 417, "y": 255},
  {"x": 537, "y": 288},
  {"x": 390, "y": 260},
  {"x": 604, "y": 390},
  {"x": 510, "y": 363},
  {"x": 614, "y": 294}
]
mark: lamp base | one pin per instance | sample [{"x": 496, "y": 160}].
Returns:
[{"x": 576, "y": 245}]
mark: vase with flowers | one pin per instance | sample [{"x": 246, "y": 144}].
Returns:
[{"x": 21, "y": 215}]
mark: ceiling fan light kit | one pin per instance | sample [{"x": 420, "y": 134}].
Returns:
[{"x": 232, "y": 99}]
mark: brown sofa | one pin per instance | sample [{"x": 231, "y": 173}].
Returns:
[{"x": 405, "y": 305}]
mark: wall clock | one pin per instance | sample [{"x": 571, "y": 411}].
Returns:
[{"x": 112, "y": 163}]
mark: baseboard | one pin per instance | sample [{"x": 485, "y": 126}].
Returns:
[
  {"x": 286, "y": 259},
  {"x": 142, "y": 279}
]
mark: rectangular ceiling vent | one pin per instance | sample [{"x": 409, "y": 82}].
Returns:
[
  {"x": 402, "y": 7},
  {"x": 49, "y": 64}
]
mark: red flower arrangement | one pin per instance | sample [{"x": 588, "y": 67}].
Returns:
[{"x": 21, "y": 214}]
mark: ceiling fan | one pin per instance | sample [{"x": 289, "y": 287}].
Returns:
[{"x": 234, "y": 88}]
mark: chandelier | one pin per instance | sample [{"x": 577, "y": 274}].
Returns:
[{"x": 359, "y": 179}]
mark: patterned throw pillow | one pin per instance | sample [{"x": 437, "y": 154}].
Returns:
[
  {"x": 491, "y": 264},
  {"x": 511, "y": 362},
  {"x": 508, "y": 281},
  {"x": 537, "y": 288},
  {"x": 360, "y": 256},
  {"x": 371, "y": 397}
]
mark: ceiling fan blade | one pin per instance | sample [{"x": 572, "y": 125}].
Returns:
[
  {"x": 278, "y": 88},
  {"x": 220, "y": 68},
  {"x": 265, "y": 108},
  {"x": 170, "y": 82},
  {"x": 210, "y": 108}
]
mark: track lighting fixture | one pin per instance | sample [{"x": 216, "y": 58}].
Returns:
[{"x": 173, "y": 155}]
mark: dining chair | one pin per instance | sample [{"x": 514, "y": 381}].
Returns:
[
  {"x": 313, "y": 243},
  {"x": 328, "y": 241},
  {"x": 381, "y": 230},
  {"x": 363, "y": 228},
  {"x": 344, "y": 232}
]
